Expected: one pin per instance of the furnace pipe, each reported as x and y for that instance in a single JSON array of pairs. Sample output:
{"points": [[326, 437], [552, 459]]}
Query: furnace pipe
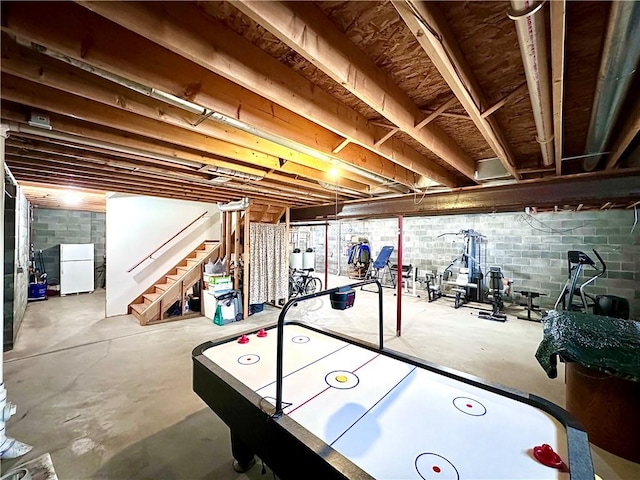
{"points": [[530, 26]]}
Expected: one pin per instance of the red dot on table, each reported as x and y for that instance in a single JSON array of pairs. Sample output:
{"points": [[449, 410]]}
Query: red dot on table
{"points": [[469, 405], [436, 469]]}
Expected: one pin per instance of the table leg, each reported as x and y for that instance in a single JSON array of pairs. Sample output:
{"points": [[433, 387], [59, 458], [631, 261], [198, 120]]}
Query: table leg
{"points": [[243, 455]]}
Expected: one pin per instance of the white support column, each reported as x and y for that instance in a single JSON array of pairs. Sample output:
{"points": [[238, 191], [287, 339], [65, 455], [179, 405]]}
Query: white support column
{"points": [[9, 447]]}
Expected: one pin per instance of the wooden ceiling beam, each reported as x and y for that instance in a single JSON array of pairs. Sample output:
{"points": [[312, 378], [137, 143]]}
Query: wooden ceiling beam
{"points": [[187, 31], [71, 32], [57, 146], [28, 65], [141, 184], [67, 181], [447, 57], [73, 150], [80, 131], [48, 99], [558, 39], [137, 172], [305, 29], [95, 132]]}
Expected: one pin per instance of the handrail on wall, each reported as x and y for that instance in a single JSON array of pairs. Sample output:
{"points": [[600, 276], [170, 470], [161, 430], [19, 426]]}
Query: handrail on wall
{"points": [[165, 243]]}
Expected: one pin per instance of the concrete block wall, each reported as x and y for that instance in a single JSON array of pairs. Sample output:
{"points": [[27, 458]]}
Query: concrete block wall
{"points": [[22, 260], [51, 227], [530, 249]]}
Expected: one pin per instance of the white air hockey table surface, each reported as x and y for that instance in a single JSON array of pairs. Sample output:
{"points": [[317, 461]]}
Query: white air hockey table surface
{"points": [[393, 417]]}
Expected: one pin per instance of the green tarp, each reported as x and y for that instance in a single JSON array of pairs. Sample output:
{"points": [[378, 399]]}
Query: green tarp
{"points": [[610, 345]]}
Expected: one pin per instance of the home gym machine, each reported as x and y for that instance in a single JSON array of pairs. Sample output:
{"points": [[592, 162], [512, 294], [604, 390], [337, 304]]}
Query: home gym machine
{"points": [[468, 284], [607, 305]]}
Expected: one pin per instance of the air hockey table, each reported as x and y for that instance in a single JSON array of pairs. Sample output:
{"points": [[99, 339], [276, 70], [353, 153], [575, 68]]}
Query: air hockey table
{"points": [[308, 401]]}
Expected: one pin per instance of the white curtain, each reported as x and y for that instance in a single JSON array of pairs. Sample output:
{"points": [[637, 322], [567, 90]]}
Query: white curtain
{"points": [[268, 275]]}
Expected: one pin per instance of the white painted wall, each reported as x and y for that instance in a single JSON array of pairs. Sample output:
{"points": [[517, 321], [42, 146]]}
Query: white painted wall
{"points": [[138, 225]]}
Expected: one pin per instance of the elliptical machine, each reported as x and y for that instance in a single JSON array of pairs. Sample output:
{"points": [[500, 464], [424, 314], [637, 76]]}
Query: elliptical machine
{"points": [[576, 262], [607, 305]]}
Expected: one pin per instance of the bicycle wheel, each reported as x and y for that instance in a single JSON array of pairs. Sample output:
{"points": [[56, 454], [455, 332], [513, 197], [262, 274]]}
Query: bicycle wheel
{"points": [[292, 288], [313, 285]]}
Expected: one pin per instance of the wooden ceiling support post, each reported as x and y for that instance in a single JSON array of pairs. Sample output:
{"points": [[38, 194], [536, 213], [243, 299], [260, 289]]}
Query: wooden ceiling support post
{"points": [[245, 260], [287, 233], [236, 250]]}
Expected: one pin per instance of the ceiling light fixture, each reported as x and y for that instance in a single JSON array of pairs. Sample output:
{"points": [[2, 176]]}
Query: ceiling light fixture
{"points": [[72, 198]]}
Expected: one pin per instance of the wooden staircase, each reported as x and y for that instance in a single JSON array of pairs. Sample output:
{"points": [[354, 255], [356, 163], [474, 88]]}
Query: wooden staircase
{"points": [[151, 307]]}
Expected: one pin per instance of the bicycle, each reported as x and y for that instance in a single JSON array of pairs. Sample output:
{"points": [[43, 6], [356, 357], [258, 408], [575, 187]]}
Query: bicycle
{"points": [[301, 282]]}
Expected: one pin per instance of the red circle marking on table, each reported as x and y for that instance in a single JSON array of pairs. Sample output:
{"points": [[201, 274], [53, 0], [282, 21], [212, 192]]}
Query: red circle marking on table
{"points": [[262, 333], [243, 339], [545, 455], [469, 405], [436, 469]]}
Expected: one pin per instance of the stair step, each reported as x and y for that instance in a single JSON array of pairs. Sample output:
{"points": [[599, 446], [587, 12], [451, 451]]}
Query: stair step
{"points": [[151, 296], [138, 307], [147, 310]]}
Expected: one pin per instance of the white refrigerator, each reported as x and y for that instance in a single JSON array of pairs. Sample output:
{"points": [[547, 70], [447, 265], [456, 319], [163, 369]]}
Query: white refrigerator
{"points": [[76, 268]]}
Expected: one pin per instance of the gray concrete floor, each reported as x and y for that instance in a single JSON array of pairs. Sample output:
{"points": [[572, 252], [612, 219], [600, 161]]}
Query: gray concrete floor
{"points": [[110, 399]]}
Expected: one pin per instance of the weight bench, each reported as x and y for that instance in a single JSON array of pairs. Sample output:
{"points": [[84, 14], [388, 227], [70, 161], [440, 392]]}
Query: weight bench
{"points": [[460, 286]]}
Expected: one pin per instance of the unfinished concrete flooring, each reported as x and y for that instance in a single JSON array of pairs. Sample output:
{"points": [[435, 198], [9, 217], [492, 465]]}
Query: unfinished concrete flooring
{"points": [[109, 399]]}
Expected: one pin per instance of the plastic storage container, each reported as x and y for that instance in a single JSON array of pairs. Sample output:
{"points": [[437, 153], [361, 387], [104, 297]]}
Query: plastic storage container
{"points": [[295, 259], [309, 259]]}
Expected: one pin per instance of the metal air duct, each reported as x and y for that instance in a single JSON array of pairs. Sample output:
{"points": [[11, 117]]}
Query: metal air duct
{"points": [[620, 56]]}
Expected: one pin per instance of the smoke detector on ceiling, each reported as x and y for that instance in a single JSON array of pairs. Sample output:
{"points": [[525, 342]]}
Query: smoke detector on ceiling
{"points": [[40, 120]]}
